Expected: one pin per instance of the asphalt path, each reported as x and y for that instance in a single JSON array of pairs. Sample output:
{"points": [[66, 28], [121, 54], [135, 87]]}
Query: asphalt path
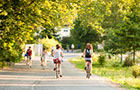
{"points": [[21, 78]]}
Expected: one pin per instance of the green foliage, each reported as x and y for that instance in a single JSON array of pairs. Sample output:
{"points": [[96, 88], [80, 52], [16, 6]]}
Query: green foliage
{"points": [[113, 43], [122, 27], [20, 19], [116, 64], [128, 62], [101, 59], [84, 35], [136, 71], [121, 75], [48, 43], [67, 41]]}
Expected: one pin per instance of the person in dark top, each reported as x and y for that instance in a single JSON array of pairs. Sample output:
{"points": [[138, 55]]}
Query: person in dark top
{"points": [[88, 53]]}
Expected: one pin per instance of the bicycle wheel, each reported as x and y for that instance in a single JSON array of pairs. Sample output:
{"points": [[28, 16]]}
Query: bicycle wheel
{"points": [[88, 72], [57, 76]]}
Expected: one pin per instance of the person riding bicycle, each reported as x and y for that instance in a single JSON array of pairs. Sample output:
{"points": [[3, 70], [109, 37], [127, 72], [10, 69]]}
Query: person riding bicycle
{"points": [[58, 55], [44, 56], [29, 54], [88, 53]]}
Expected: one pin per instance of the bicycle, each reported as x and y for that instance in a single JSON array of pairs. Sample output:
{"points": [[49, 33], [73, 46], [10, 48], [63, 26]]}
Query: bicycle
{"points": [[57, 68], [57, 71], [87, 68], [88, 71]]}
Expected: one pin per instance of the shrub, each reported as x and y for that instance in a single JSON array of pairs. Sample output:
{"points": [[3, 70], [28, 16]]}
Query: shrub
{"points": [[95, 58], [128, 62], [14, 54], [48, 43], [101, 59], [136, 71], [116, 64]]}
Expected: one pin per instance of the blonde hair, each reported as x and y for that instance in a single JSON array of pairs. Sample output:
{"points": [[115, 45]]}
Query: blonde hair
{"points": [[89, 46]]}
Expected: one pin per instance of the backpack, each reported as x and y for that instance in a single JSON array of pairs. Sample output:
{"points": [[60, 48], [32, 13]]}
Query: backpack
{"points": [[26, 54], [88, 54]]}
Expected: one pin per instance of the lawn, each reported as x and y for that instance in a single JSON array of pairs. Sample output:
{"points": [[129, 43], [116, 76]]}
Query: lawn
{"points": [[113, 71]]}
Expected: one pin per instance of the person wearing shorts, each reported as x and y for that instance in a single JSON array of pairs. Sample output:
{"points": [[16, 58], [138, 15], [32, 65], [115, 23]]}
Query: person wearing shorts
{"points": [[29, 57], [44, 56], [58, 55], [88, 53]]}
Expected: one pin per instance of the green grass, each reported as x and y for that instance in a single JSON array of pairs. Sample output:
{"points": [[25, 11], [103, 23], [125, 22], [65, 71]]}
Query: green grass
{"points": [[118, 74]]}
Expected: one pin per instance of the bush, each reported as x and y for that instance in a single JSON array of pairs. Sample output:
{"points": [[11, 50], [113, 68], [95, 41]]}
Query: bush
{"points": [[95, 58], [128, 62], [101, 59], [67, 41], [14, 54], [116, 64], [48, 43], [136, 71]]}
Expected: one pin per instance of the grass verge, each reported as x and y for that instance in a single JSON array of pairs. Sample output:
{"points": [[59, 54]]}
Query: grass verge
{"points": [[118, 74]]}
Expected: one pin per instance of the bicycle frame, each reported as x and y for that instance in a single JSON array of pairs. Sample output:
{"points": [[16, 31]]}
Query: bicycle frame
{"points": [[88, 71], [57, 71]]}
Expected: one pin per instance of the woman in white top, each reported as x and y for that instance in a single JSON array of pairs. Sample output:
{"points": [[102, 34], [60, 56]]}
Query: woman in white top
{"points": [[44, 56], [58, 54]]}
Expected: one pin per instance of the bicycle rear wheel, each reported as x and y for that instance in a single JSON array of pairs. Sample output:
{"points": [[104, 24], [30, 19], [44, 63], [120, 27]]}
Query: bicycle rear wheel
{"points": [[57, 72], [88, 72]]}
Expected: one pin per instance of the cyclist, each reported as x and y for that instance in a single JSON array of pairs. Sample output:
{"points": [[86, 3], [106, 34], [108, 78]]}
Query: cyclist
{"points": [[44, 56], [29, 54], [58, 55], [88, 53]]}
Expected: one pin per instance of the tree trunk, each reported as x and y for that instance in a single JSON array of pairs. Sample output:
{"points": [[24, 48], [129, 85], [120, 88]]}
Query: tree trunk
{"points": [[134, 54], [121, 58]]}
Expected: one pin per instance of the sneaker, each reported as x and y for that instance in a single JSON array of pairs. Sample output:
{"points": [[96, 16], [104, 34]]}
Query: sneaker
{"points": [[54, 69], [60, 75], [90, 74], [85, 68]]}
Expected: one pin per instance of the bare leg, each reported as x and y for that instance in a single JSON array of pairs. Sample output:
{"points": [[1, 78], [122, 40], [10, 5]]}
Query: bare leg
{"points": [[27, 62], [86, 64], [90, 67], [30, 62], [59, 66], [54, 67]]}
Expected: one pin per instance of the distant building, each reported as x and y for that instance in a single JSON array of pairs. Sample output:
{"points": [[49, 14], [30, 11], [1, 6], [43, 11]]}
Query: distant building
{"points": [[64, 32]]}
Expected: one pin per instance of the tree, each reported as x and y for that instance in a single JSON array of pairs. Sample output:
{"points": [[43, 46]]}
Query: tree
{"points": [[130, 29], [113, 43], [19, 20], [84, 35]]}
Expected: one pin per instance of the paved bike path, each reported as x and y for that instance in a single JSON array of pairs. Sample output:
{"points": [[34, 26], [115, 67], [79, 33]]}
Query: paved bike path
{"points": [[20, 78]]}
